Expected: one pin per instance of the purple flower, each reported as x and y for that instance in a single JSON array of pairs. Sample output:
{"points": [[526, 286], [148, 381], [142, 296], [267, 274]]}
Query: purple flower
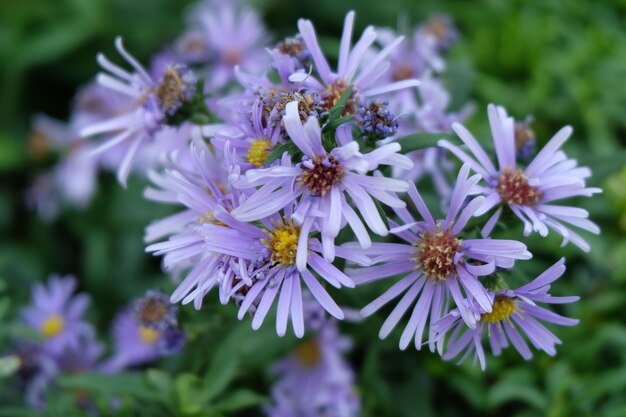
{"points": [[136, 344], [529, 192], [233, 35], [316, 380], [321, 184], [436, 264], [355, 67], [148, 106], [155, 311], [514, 312], [375, 121], [57, 315], [36, 372], [265, 267]]}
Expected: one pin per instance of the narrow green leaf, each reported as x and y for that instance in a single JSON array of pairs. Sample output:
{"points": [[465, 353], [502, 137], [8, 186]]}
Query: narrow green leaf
{"points": [[382, 213], [238, 400], [422, 140], [277, 153]]}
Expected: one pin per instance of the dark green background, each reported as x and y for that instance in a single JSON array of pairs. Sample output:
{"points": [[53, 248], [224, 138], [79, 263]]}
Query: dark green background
{"points": [[562, 61]]}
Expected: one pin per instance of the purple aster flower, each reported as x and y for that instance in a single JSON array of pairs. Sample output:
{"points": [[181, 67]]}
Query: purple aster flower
{"points": [[252, 138], [36, 372], [136, 344], [436, 264], [529, 192], [57, 315], [291, 53], [155, 311], [234, 36], [514, 312], [149, 104], [316, 380], [355, 67], [321, 184], [440, 28], [269, 263]]}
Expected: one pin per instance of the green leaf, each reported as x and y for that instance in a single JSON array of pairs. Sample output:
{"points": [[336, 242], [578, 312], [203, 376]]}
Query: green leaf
{"points": [[130, 384], [422, 140], [337, 111], [277, 153], [9, 365], [381, 212], [238, 400], [189, 394]]}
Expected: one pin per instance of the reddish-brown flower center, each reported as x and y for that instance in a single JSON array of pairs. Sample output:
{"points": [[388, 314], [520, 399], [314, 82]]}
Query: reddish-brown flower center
{"points": [[435, 254], [325, 174], [402, 72], [292, 47], [153, 311], [514, 189], [333, 93]]}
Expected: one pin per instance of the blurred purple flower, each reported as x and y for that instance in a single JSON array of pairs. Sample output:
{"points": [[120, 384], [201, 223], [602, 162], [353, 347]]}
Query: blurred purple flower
{"points": [[57, 315], [316, 381]]}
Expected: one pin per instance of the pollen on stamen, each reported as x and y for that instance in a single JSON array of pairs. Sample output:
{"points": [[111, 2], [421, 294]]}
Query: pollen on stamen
{"points": [[321, 175], [177, 86], [435, 254], [514, 189], [503, 308], [283, 243], [333, 93], [52, 326], [258, 152]]}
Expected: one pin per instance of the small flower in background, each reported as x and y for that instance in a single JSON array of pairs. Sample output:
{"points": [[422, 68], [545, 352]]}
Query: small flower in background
{"points": [[36, 371], [136, 344], [230, 34], [57, 315], [155, 311], [149, 105], [513, 311], [315, 380], [529, 192], [437, 264]]}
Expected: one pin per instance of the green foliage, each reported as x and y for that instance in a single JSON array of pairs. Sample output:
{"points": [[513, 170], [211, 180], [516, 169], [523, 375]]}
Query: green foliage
{"points": [[561, 61]]}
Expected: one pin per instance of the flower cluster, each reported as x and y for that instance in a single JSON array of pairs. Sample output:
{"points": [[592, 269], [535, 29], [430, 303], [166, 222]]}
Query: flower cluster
{"points": [[65, 342], [297, 180]]}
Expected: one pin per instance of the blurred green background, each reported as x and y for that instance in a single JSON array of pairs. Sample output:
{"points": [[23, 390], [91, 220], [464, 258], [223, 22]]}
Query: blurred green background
{"points": [[562, 61]]}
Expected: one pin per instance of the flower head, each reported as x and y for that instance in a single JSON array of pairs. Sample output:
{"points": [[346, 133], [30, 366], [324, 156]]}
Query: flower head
{"points": [[57, 315], [149, 104], [513, 313], [530, 192], [155, 311], [322, 183], [436, 264]]}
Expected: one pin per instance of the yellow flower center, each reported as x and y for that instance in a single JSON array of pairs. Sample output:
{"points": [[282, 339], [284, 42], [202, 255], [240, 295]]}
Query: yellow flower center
{"points": [[148, 335], [258, 152], [308, 353], [283, 244], [502, 309], [52, 326]]}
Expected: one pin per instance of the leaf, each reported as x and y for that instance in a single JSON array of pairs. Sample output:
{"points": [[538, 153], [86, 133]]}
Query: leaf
{"points": [[337, 111], [418, 141], [130, 384], [9, 365], [238, 400], [189, 394], [381, 212], [277, 153], [515, 390]]}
